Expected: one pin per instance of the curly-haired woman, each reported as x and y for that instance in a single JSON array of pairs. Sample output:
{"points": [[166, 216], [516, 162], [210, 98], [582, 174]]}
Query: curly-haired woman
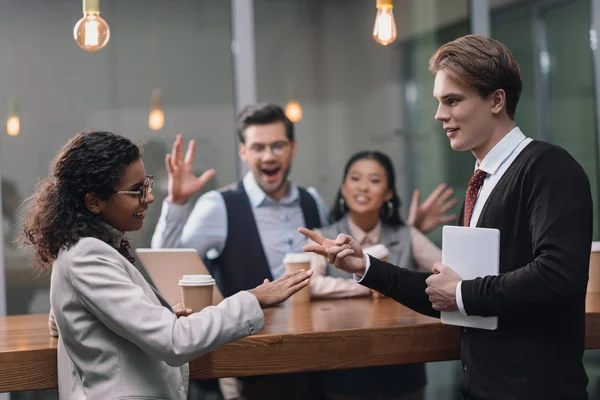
{"points": [[118, 337]]}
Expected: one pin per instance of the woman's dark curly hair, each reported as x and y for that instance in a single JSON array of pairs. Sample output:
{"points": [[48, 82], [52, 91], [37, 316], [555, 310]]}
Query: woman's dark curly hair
{"points": [[55, 216], [388, 216]]}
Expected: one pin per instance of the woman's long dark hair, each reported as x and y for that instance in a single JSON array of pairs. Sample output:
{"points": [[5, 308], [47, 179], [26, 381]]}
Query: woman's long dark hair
{"points": [[387, 215], [56, 216]]}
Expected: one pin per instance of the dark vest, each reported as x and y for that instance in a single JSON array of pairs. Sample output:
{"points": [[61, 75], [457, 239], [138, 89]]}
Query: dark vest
{"points": [[243, 265]]}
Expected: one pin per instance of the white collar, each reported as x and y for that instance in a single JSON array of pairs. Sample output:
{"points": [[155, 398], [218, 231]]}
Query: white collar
{"points": [[501, 151]]}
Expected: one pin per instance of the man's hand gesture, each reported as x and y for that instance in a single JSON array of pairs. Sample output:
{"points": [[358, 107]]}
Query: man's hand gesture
{"points": [[343, 252], [183, 184]]}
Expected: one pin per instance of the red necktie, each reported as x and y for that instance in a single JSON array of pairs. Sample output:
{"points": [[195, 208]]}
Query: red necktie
{"points": [[474, 185]]}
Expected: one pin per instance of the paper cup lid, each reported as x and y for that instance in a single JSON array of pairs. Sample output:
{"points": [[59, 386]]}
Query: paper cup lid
{"points": [[595, 246], [293, 258], [377, 251], [197, 280]]}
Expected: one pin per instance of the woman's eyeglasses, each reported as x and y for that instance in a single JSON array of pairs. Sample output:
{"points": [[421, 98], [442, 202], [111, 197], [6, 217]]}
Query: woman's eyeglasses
{"points": [[143, 191]]}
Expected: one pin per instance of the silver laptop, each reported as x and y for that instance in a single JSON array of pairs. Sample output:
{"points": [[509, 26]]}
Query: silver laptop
{"points": [[472, 253]]}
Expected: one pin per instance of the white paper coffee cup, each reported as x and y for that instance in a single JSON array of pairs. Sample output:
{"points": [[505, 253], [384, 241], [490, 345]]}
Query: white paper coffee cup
{"points": [[294, 262], [296, 258], [379, 251], [197, 291], [196, 280]]}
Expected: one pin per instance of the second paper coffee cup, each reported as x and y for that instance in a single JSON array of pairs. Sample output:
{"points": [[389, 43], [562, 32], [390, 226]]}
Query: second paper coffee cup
{"points": [[294, 262]]}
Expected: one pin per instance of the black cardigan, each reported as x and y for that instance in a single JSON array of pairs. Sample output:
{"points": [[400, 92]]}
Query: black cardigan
{"points": [[542, 206]]}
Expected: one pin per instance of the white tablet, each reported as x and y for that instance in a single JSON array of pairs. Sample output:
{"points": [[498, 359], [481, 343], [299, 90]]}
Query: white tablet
{"points": [[167, 266], [472, 253]]}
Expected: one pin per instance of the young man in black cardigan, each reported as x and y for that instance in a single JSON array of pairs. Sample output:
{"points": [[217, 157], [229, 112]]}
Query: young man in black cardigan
{"points": [[539, 198]]}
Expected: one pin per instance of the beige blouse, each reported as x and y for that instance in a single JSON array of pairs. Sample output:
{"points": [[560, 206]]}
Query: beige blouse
{"points": [[425, 254]]}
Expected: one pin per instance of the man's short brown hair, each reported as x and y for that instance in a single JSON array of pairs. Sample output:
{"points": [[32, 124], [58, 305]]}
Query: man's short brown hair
{"points": [[482, 63]]}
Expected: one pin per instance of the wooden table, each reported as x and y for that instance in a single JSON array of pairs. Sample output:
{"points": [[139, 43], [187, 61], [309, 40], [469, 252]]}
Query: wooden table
{"points": [[321, 335]]}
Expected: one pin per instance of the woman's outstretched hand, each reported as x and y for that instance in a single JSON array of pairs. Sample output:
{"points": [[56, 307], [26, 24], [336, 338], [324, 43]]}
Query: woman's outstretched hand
{"points": [[272, 293]]}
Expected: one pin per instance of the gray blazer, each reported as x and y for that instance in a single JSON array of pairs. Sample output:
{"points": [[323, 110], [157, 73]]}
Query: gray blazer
{"points": [[397, 240], [119, 339]]}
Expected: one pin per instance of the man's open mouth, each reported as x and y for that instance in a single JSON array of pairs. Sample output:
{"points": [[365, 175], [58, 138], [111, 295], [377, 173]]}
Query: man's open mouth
{"points": [[270, 171]]}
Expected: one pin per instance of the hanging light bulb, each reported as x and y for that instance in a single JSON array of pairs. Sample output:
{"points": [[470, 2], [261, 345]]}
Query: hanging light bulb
{"points": [[91, 32], [156, 119], [13, 123], [293, 111], [384, 31]]}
